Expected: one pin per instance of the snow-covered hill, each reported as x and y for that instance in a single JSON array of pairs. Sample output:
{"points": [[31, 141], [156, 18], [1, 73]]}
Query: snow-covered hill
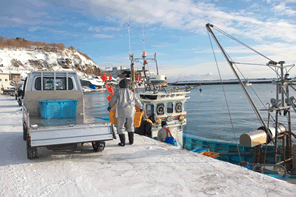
{"points": [[23, 60]]}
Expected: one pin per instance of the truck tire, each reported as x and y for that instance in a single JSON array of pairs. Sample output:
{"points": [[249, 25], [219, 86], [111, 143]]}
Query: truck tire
{"points": [[24, 132], [98, 146], [31, 151]]}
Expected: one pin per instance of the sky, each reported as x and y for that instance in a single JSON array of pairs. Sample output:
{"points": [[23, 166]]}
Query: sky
{"points": [[173, 29]]}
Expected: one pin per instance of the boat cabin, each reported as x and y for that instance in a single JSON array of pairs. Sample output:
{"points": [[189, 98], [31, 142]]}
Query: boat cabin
{"points": [[169, 107]]}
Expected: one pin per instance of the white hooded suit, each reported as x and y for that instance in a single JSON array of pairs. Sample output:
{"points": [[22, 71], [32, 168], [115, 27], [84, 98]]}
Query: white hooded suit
{"points": [[125, 101]]}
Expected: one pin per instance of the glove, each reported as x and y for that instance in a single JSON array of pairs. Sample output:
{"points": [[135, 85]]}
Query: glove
{"points": [[109, 108], [141, 110]]}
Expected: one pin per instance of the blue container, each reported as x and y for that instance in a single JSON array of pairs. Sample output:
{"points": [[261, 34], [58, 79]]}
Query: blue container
{"points": [[58, 108], [92, 86]]}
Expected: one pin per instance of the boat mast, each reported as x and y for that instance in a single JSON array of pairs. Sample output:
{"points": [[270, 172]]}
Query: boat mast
{"points": [[133, 76], [208, 26], [131, 57], [156, 63], [282, 92]]}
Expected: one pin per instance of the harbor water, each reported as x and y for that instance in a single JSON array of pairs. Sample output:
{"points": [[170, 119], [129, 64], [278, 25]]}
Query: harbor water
{"points": [[207, 112]]}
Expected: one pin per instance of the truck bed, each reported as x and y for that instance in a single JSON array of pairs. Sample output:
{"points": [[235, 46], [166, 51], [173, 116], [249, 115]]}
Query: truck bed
{"points": [[63, 121], [51, 135], [44, 132]]}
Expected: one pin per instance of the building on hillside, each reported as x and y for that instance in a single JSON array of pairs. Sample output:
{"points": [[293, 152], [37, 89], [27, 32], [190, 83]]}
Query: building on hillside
{"points": [[64, 61], [4, 82], [115, 71], [16, 77], [121, 72]]}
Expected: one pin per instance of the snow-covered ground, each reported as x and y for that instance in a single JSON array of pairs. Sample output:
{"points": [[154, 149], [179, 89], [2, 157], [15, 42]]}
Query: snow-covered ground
{"points": [[147, 168], [26, 58]]}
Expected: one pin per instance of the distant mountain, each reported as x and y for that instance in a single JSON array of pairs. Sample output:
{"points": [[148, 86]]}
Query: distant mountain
{"points": [[36, 56]]}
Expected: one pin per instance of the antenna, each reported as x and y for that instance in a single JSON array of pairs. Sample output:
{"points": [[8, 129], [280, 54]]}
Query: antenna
{"points": [[129, 41], [143, 39]]}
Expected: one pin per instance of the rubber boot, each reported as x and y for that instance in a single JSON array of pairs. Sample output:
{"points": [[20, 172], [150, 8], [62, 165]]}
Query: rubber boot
{"points": [[131, 137], [122, 140]]}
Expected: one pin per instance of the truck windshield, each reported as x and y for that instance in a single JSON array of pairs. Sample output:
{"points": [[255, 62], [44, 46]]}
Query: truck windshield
{"points": [[48, 83]]}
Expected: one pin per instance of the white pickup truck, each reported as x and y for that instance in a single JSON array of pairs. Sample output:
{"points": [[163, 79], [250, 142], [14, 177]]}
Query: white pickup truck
{"points": [[46, 127]]}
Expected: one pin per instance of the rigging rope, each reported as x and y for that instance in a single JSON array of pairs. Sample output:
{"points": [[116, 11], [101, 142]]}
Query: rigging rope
{"points": [[251, 88], [148, 69], [129, 39], [233, 38], [249, 63], [246, 90], [258, 65], [225, 98]]}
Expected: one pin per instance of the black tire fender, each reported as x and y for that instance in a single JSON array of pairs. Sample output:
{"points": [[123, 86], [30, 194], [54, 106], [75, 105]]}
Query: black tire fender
{"points": [[31, 151], [24, 131], [98, 146]]}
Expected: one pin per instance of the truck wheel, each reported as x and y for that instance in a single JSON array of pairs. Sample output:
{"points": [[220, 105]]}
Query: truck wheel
{"points": [[98, 146], [24, 132], [31, 151]]}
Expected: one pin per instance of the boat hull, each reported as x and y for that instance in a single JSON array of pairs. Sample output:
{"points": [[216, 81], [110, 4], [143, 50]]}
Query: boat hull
{"points": [[228, 151]]}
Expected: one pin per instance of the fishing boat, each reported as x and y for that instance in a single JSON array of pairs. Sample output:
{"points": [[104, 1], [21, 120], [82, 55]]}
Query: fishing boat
{"points": [[96, 84], [86, 89], [269, 148], [247, 83], [159, 101]]}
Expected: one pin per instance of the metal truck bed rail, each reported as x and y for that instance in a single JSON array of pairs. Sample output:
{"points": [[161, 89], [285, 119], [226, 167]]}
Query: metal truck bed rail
{"points": [[70, 134]]}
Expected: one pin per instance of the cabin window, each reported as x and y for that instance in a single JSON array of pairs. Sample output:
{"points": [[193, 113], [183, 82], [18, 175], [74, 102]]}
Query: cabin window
{"points": [[179, 107], [160, 109], [170, 107], [149, 109], [48, 83]]}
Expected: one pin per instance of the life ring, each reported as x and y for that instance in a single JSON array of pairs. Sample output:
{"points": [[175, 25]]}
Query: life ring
{"points": [[178, 107], [160, 109]]}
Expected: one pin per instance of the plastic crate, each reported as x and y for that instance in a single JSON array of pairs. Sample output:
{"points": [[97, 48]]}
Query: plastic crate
{"points": [[58, 108], [138, 119], [210, 154]]}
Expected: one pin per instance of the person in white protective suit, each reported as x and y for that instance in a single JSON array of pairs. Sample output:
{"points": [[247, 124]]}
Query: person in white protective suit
{"points": [[162, 133], [125, 101]]}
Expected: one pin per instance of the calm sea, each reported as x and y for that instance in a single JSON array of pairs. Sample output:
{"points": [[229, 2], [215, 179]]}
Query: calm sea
{"points": [[207, 113]]}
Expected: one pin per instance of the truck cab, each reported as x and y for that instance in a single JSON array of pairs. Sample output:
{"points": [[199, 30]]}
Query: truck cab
{"points": [[53, 113]]}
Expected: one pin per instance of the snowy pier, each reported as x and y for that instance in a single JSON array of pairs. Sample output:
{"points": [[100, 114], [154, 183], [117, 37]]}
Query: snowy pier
{"points": [[147, 168]]}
